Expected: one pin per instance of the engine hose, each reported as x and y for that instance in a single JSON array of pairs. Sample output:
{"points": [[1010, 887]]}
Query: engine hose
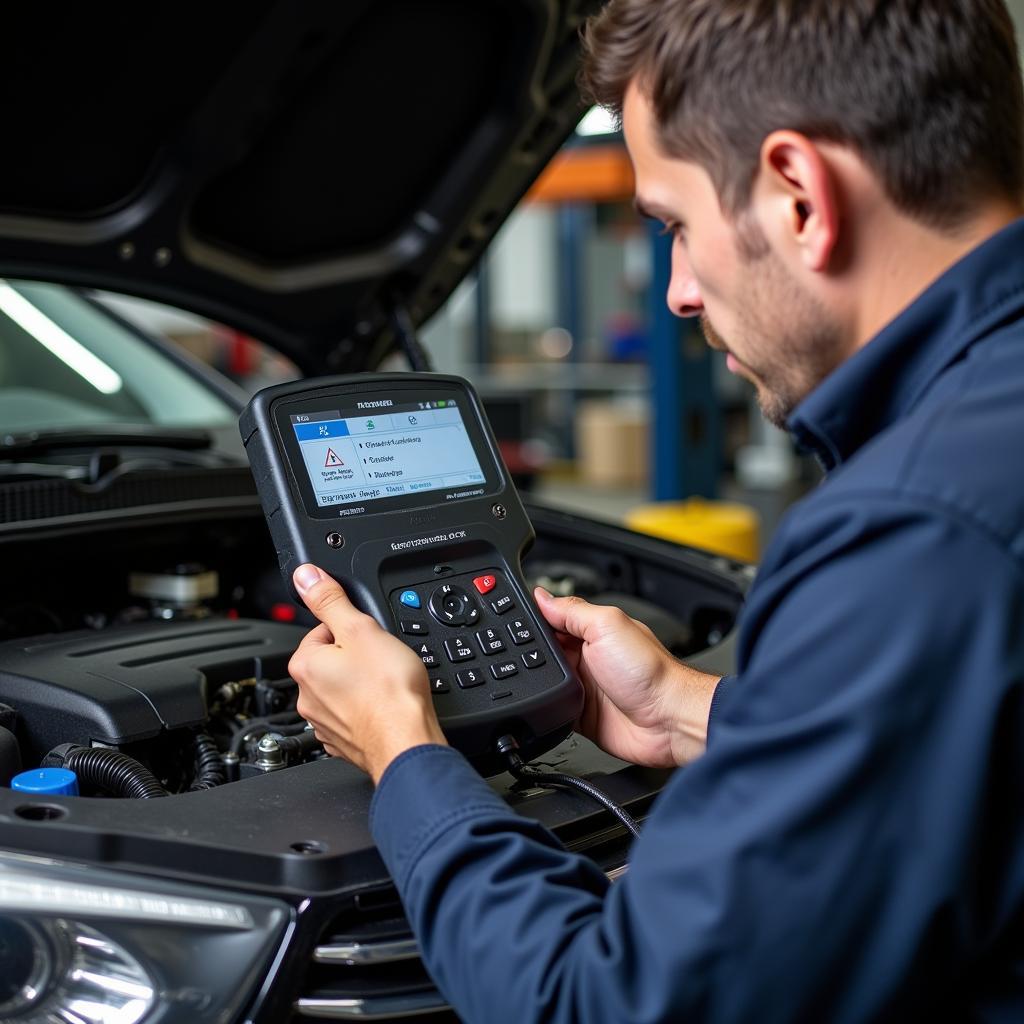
{"points": [[305, 743], [209, 767], [283, 723], [110, 770]]}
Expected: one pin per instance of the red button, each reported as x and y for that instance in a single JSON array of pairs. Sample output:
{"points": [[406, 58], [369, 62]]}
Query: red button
{"points": [[484, 584]]}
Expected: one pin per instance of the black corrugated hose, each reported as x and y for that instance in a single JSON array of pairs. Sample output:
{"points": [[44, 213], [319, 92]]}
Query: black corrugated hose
{"points": [[209, 767], [110, 770]]}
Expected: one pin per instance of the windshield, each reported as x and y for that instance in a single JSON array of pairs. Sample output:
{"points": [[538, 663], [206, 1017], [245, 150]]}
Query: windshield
{"points": [[66, 364]]}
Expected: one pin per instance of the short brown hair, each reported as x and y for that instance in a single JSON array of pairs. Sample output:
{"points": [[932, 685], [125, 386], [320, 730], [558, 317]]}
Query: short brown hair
{"points": [[928, 92]]}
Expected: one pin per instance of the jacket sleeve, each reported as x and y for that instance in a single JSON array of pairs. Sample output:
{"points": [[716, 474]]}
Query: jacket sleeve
{"points": [[800, 867]]}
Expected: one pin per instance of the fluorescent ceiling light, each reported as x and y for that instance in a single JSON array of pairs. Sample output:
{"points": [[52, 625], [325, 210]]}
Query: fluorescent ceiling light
{"points": [[597, 121], [57, 341]]}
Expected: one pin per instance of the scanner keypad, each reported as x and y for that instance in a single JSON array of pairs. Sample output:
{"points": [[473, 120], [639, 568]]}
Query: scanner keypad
{"points": [[467, 619]]}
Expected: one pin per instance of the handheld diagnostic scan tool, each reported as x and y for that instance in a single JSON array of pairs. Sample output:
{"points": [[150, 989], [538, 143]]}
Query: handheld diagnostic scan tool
{"points": [[393, 484]]}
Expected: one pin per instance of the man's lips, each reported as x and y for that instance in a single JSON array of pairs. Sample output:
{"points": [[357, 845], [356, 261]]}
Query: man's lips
{"points": [[716, 342]]}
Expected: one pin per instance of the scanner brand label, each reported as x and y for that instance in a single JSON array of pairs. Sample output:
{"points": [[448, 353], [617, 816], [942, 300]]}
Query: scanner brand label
{"points": [[421, 542]]}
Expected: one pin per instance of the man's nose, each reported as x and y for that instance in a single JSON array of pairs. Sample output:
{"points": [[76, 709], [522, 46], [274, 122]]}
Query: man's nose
{"points": [[683, 293]]}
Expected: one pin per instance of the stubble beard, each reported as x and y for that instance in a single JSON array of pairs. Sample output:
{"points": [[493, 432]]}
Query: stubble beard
{"points": [[790, 341]]}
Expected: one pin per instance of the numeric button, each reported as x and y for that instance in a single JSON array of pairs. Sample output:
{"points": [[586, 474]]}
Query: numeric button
{"points": [[490, 641], [519, 630], [470, 677], [438, 684], [504, 669], [503, 604], [458, 649], [427, 656]]}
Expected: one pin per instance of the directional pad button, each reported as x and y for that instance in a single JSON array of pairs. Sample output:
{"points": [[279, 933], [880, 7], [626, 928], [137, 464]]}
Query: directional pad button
{"points": [[452, 606]]}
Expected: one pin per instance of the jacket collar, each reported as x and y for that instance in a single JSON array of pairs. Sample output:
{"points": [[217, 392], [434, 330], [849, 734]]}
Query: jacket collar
{"points": [[884, 380]]}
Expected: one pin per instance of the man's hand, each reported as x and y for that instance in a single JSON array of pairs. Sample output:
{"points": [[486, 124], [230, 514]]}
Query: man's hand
{"points": [[364, 692], [641, 703]]}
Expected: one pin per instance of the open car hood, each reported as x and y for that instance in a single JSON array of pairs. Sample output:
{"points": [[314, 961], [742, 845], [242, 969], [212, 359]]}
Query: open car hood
{"points": [[298, 170]]}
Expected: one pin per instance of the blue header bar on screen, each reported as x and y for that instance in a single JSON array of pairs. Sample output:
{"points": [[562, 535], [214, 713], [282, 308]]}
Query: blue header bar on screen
{"points": [[313, 431]]}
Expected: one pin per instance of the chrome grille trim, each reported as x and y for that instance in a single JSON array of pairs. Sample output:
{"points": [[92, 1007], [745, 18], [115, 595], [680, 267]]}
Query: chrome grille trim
{"points": [[360, 953], [380, 1008], [367, 954]]}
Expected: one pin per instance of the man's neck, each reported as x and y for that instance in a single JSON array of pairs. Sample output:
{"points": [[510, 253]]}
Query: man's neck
{"points": [[905, 257]]}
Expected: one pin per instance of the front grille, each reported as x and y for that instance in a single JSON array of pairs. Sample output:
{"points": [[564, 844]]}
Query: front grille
{"points": [[367, 967]]}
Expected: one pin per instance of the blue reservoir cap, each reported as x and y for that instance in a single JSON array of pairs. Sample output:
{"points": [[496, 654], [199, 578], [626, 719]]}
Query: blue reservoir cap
{"points": [[47, 782]]}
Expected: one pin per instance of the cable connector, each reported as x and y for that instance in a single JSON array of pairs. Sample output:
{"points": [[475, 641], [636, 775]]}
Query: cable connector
{"points": [[508, 747]]}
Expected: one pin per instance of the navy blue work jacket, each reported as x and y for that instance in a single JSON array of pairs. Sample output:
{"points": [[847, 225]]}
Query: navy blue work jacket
{"points": [[850, 847]]}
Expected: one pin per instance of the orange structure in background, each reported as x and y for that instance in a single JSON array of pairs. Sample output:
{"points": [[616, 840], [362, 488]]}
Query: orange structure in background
{"points": [[596, 174]]}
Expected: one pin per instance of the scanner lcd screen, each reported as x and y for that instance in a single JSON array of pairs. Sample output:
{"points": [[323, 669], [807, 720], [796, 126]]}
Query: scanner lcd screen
{"points": [[401, 451]]}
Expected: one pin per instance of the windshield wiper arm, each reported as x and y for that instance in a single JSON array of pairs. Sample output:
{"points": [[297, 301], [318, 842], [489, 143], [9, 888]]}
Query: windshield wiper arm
{"points": [[36, 441]]}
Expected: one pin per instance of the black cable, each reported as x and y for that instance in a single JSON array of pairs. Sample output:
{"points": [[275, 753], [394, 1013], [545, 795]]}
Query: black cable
{"points": [[283, 722], [111, 770], [301, 745], [209, 768], [507, 746]]}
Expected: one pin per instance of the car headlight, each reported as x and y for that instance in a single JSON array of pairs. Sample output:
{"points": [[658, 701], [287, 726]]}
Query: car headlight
{"points": [[92, 947]]}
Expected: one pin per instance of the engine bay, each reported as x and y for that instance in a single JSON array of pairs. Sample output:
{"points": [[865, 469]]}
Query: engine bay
{"points": [[154, 662], [193, 703]]}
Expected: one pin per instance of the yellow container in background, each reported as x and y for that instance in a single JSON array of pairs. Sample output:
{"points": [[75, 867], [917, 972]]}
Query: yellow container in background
{"points": [[718, 526]]}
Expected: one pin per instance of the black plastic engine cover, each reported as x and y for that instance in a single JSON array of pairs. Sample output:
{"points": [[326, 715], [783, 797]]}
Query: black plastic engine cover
{"points": [[133, 682]]}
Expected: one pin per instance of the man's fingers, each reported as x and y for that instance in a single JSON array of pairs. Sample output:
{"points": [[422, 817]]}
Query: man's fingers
{"points": [[324, 598]]}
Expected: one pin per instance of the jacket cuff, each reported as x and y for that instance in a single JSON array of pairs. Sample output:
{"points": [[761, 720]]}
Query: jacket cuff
{"points": [[725, 685], [422, 793]]}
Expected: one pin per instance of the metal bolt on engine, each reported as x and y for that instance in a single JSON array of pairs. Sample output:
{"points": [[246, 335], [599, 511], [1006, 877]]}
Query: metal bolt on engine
{"points": [[269, 757]]}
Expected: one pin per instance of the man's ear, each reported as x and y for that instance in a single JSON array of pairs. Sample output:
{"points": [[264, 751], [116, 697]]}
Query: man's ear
{"points": [[797, 191]]}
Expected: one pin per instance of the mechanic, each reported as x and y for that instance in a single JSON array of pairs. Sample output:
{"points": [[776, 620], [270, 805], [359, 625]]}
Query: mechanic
{"points": [[843, 182]]}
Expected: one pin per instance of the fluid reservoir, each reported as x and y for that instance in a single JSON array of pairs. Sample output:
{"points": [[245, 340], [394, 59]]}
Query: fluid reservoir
{"points": [[46, 782]]}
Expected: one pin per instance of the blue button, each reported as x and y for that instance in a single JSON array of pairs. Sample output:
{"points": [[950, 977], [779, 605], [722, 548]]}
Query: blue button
{"points": [[47, 782], [410, 599]]}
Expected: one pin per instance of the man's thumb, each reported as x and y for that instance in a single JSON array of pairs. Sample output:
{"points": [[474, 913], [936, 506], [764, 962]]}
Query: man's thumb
{"points": [[322, 595], [563, 613]]}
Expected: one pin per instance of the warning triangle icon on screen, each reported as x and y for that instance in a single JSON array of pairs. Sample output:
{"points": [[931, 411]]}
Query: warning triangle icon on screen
{"points": [[332, 459]]}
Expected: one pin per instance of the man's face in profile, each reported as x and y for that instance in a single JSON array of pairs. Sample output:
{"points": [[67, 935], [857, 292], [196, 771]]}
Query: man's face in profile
{"points": [[777, 335]]}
